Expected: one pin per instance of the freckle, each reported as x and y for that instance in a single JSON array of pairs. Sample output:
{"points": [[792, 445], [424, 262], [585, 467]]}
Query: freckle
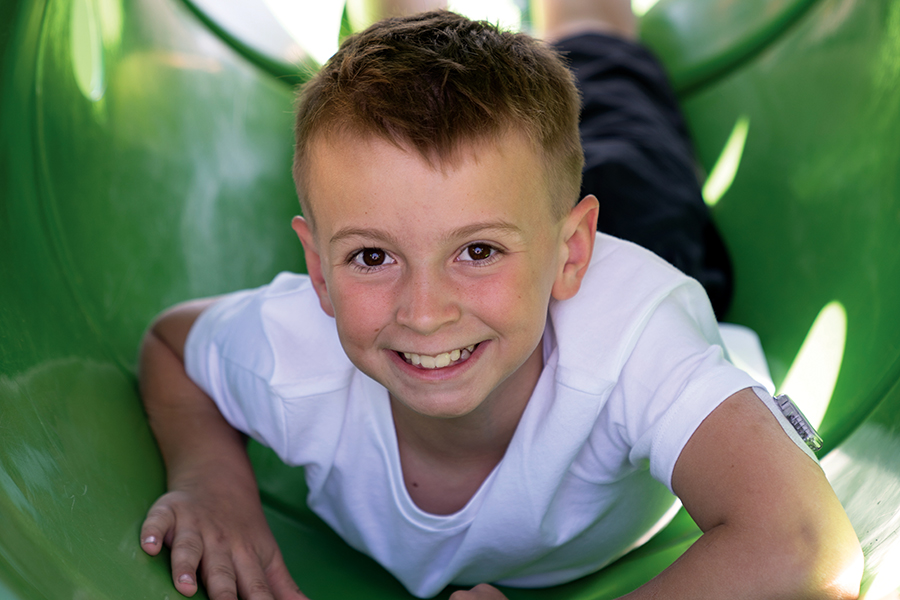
{"points": [[415, 484]]}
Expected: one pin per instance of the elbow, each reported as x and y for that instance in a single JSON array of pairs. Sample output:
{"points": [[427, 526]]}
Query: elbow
{"points": [[171, 327], [841, 558], [842, 578], [830, 569]]}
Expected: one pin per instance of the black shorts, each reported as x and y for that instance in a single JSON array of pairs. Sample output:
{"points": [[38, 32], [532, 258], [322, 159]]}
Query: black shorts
{"points": [[639, 160]]}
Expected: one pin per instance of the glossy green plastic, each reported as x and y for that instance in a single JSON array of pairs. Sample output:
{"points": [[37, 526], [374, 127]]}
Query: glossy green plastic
{"points": [[257, 35], [145, 159], [700, 40]]}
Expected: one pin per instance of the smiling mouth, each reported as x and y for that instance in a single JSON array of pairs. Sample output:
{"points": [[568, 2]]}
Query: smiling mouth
{"points": [[445, 359]]}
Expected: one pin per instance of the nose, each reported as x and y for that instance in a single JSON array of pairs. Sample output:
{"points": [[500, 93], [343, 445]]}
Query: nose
{"points": [[427, 301]]}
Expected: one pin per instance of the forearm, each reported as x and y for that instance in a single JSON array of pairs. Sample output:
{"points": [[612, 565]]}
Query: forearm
{"points": [[193, 437], [211, 517], [730, 563]]}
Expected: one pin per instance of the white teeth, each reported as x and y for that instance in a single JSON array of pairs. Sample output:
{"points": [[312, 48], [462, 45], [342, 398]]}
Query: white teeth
{"points": [[441, 360]]}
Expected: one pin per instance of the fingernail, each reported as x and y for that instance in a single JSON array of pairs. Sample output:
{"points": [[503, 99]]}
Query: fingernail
{"points": [[186, 579], [150, 539]]}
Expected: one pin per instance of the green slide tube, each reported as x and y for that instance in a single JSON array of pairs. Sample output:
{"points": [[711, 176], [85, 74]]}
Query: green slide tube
{"points": [[145, 155]]}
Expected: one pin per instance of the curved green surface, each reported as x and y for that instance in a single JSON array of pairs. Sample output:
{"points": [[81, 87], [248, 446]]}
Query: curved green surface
{"points": [[701, 40], [258, 36], [145, 160]]}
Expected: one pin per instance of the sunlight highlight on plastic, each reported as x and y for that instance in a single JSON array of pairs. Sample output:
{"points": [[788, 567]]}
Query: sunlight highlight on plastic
{"points": [[504, 13], [865, 474], [87, 49], [724, 171], [885, 585], [811, 379], [110, 15], [313, 24], [640, 7]]}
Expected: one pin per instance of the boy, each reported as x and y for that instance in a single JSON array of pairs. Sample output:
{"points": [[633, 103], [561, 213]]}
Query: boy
{"points": [[479, 387]]}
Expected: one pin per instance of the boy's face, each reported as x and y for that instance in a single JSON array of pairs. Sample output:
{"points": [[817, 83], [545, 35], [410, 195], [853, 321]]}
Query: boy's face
{"points": [[439, 281]]}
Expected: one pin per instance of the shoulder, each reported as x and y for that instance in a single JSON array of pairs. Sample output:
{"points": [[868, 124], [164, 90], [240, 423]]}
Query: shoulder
{"points": [[278, 332], [624, 287], [621, 269]]}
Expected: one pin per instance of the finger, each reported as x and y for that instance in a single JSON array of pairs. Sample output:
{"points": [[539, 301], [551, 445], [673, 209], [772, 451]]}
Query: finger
{"points": [[187, 550], [280, 581], [220, 576], [251, 579], [482, 591], [488, 592], [159, 522]]}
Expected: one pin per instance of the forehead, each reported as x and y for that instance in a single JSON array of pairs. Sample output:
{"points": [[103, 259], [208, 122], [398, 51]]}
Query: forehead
{"points": [[349, 173]]}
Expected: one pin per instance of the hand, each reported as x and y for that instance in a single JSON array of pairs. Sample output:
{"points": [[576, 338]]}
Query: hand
{"points": [[227, 536], [482, 591]]}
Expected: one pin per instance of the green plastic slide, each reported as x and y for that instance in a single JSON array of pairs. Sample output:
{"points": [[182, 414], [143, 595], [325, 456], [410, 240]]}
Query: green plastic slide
{"points": [[145, 159]]}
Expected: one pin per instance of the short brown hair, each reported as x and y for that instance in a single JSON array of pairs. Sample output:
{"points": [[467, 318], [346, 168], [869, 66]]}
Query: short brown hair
{"points": [[436, 80]]}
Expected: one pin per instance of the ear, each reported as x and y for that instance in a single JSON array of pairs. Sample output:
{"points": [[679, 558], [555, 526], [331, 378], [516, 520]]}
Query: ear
{"points": [[578, 232], [313, 262]]}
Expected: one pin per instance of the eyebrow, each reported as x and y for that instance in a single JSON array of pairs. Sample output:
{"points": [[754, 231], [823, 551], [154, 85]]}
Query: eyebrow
{"points": [[498, 226], [461, 232], [373, 234]]}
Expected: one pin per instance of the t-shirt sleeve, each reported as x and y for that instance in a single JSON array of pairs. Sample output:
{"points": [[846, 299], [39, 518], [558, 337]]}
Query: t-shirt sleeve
{"points": [[228, 356], [676, 375]]}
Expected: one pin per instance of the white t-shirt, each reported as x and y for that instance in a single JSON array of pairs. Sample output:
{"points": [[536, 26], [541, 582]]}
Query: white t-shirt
{"points": [[632, 365]]}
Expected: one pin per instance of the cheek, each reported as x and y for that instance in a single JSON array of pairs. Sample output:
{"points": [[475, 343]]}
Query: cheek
{"points": [[361, 312], [514, 301]]}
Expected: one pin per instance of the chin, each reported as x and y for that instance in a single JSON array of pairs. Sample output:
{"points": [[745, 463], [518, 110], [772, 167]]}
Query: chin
{"points": [[439, 409]]}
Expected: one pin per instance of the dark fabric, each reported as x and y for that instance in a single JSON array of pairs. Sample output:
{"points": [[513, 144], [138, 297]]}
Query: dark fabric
{"points": [[639, 160]]}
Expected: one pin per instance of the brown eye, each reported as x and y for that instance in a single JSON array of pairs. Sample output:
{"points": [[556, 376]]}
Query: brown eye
{"points": [[478, 252], [372, 257]]}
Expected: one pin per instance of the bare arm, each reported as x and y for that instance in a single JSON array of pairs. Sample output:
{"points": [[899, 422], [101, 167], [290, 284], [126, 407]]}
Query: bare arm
{"points": [[212, 510], [773, 527]]}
